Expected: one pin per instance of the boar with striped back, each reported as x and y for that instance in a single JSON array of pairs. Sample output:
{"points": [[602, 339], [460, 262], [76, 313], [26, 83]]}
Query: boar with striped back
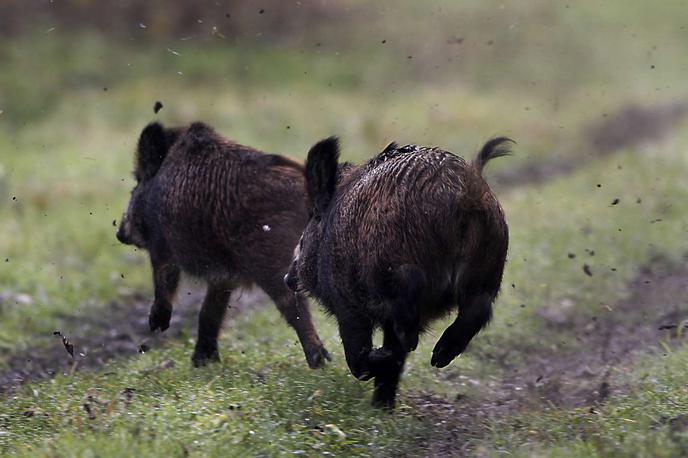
{"points": [[225, 213], [407, 238]]}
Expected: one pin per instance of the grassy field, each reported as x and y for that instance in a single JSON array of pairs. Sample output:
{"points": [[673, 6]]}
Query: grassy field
{"points": [[72, 106]]}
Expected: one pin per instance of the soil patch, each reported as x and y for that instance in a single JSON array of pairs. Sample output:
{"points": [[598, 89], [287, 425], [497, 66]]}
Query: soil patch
{"points": [[606, 345], [119, 329], [632, 125], [611, 342]]}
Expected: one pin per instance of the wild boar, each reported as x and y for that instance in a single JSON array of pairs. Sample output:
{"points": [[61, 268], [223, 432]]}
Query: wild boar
{"points": [[225, 213], [410, 236]]}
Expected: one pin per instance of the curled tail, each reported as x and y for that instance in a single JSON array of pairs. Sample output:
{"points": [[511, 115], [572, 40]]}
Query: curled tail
{"points": [[497, 147]]}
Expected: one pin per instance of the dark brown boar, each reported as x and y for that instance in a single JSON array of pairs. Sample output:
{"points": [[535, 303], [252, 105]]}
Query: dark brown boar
{"points": [[223, 212], [410, 236]]}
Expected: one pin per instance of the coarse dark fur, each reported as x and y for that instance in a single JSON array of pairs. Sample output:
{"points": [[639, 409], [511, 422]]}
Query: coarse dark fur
{"points": [[396, 243], [223, 212]]}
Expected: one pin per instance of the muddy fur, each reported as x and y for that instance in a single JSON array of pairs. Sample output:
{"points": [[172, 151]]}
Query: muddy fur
{"points": [[410, 236], [223, 212]]}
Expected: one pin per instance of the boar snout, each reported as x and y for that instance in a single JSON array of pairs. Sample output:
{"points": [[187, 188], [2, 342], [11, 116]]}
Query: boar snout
{"points": [[122, 234]]}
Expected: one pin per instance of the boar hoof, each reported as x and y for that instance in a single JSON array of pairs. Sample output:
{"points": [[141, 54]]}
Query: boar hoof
{"points": [[382, 399], [441, 356], [203, 358], [316, 359], [159, 318], [362, 373], [363, 376]]}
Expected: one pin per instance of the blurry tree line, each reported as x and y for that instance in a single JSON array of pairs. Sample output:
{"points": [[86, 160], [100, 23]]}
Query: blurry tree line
{"points": [[162, 20]]}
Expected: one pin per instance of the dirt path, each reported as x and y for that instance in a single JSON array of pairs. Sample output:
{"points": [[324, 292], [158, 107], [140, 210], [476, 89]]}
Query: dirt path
{"points": [[632, 125], [119, 329], [580, 377]]}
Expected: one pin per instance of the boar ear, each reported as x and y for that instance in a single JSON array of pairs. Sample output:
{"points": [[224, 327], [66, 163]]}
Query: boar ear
{"points": [[321, 172], [151, 150]]}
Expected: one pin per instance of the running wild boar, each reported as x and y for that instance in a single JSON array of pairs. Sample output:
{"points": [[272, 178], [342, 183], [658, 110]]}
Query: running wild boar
{"points": [[223, 212], [409, 237]]}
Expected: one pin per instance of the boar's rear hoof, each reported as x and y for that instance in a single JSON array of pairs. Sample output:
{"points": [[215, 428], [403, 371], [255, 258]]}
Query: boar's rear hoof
{"points": [[159, 318], [316, 359], [201, 358], [383, 403], [362, 373], [442, 356], [382, 399]]}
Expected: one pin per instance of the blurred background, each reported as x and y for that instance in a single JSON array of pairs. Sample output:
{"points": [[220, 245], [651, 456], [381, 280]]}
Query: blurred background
{"points": [[80, 78], [594, 92]]}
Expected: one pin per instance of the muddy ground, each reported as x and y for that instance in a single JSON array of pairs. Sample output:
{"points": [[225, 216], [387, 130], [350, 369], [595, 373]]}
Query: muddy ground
{"points": [[606, 346], [119, 330]]}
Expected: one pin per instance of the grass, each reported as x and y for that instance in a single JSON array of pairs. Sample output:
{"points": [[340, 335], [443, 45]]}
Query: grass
{"points": [[552, 69], [261, 400], [648, 421]]}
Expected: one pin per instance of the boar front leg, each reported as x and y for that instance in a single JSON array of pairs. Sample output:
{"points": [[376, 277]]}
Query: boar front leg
{"points": [[209, 323], [165, 280], [294, 309]]}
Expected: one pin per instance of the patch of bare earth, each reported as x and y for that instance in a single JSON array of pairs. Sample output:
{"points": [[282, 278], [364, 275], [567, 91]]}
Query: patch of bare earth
{"points": [[119, 329], [568, 376], [632, 125]]}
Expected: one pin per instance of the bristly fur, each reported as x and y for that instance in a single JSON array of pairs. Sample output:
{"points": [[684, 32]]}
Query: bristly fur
{"points": [[411, 235], [494, 148], [199, 137], [223, 212]]}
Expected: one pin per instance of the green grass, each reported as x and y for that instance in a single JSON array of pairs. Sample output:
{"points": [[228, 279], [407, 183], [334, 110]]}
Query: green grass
{"points": [[66, 149], [261, 400]]}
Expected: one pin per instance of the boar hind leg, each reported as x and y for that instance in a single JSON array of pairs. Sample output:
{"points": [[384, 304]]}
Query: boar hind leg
{"points": [[209, 323], [295, 311], [404, 288], [474, 314], [166, 280], [387, 363]]}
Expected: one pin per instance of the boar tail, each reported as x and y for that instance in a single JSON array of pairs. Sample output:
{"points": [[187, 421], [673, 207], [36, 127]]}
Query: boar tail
{"points": [[497, 147]]}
